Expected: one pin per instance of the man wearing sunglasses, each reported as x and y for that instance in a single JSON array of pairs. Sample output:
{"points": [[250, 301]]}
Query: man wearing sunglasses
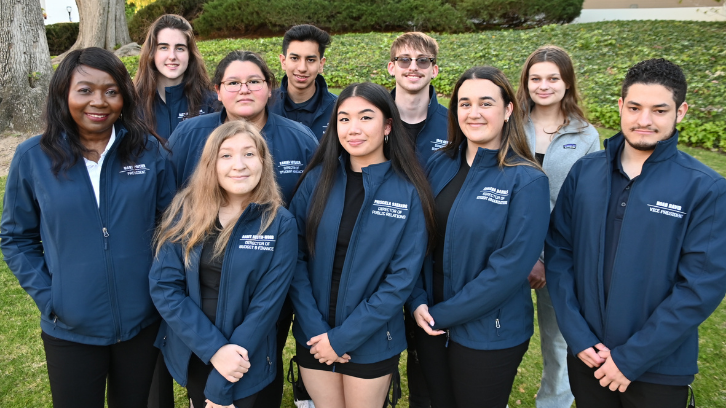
{"points": [[303, 94], [413, 63]]}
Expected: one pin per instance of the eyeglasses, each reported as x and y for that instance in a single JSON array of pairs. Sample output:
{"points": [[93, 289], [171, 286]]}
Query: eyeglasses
{"points": [[236, 86], [421, 62]]}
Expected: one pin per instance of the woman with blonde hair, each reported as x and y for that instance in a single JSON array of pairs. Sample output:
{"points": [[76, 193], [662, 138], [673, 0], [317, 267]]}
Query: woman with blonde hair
{"points": [[172, 80], [226, 251]]}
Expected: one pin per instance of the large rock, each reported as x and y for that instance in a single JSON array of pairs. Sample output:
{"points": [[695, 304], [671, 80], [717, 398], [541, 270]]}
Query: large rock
{"points": [[128, 50]]}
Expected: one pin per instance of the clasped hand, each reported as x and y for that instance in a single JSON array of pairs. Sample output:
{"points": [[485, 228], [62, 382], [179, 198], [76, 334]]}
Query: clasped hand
{"points": [[321, 349], [609, 374], [231, 361]]}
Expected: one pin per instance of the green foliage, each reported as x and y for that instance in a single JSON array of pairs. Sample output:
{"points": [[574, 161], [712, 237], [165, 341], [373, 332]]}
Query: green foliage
{"points": [[223, 18], [61, 37], [517, 13], [130, 10], [143, 18]]}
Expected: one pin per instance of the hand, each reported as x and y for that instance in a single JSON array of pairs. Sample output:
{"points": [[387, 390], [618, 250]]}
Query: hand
{"points": [[345, 358], [425, 321], [536, 278], [321, 349], [231, 361], [591, 357], [210, 404], [610, 376]]}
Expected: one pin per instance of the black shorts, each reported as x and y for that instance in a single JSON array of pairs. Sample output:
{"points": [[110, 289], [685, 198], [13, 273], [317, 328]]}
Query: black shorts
{"points": [[364, 371]]}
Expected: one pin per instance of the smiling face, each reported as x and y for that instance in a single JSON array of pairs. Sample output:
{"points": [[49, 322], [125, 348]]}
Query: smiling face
{"points": [[171, 56], [545, 84], [481, 112], [243, 104], [239, 167], [649, 114], [302, 64], [361, 128], [412, 79], [94, 102]]}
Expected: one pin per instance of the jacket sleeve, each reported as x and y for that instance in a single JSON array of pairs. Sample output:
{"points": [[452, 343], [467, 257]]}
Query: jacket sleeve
{"points": [[509, 265], [168, 288], [178, 145], [418, 295], [166, 186], [20, 235], [559, 264], [263, 311], [699, 289], [387, 301], [301, 291]]}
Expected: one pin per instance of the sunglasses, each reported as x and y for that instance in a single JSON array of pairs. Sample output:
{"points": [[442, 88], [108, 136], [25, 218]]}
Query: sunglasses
{"points": [[421, 62]]}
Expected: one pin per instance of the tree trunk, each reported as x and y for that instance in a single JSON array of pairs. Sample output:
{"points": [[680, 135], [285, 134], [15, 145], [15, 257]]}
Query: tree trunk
{"points": [[25, 69], [102, 24]]}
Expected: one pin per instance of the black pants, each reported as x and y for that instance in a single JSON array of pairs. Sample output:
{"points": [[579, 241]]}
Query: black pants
{"points": [[161, 394], [462, 377], [78, 373], [418, 394], [198, 373], [271, 396], [589, 393]]}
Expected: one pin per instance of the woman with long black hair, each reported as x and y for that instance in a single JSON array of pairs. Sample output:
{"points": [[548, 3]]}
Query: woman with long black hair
{"points": [[81, 203], [473, 304], [365, 219]]}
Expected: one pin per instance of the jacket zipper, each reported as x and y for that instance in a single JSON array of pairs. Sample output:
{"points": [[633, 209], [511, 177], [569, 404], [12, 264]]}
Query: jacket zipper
{"points": [[448, 335], [224, 281], [496, 321]]}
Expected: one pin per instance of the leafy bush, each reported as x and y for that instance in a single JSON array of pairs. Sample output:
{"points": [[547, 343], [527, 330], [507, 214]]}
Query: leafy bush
{"points": [[140, 22], [61, 37], [517, 13], [602, 52]]}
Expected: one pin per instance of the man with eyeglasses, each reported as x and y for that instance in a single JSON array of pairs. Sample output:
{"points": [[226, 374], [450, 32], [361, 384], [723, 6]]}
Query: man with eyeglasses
{"points": [[303, 94], [413, 64]]}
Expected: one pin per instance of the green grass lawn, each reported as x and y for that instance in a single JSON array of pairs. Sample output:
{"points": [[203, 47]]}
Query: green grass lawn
{"points": [[24, 379]]}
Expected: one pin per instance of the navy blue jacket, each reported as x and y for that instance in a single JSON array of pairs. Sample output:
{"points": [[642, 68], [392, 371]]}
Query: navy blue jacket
{"points": [[494, 235], [433, 135], [384, 259], [86, 267], [256, 273], [176, 108], [292, 146], [317, 120], [669, 272]]}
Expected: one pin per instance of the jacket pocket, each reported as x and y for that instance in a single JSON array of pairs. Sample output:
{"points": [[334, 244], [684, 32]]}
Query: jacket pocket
{"points": [[389, 338]]}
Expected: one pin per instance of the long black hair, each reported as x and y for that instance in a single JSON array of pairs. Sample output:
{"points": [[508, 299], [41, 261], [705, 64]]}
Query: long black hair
{"points": [[58, 119], [399, 150]]}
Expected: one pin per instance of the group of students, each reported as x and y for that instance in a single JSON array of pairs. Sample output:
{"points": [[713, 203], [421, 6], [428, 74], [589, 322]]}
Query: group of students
{"points": [[381, 220]]}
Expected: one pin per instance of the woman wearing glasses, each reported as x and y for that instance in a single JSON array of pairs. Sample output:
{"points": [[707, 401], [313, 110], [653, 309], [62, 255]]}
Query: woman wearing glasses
{"points": [[244, 84], [473, 304], [172, 81]]}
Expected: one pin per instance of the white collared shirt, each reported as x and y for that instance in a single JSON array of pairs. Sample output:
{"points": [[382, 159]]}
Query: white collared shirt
{"points": [[94, 169]]}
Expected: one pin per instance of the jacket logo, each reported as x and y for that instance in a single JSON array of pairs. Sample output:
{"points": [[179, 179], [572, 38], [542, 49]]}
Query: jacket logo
{"points": [[258, 242], [290, 167], [389, 209], [570, 146], [438, 144], [664, 208], [134, 170], [494, 195]]}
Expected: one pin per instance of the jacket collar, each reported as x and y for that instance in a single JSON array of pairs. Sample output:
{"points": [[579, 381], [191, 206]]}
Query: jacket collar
{"points": [[321, 88], [484, 157], [270, 124], [376, 173], [664, 150]]}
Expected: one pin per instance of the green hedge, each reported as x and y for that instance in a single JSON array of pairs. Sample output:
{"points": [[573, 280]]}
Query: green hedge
{"points": [[602, 52], [143, 18], [61, 37], [518, 13]]}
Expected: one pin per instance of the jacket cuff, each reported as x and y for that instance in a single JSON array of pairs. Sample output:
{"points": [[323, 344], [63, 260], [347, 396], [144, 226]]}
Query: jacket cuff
{"points": [[218, 389]]}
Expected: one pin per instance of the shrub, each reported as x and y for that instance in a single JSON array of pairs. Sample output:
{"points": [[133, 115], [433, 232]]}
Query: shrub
{"points": [[61, 37], [517, 13], [140, 22]]}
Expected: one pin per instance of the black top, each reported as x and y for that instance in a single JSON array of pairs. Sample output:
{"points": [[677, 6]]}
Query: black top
{"points": [[443, 203], [539, 157], [300, 111], [354, 195], [210, 273], [620, 188], [413, 129]]}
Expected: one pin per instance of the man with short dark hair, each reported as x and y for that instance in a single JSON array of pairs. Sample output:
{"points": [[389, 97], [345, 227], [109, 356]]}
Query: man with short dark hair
{"points": [[413, 64], [635, 253], [303, 94]]}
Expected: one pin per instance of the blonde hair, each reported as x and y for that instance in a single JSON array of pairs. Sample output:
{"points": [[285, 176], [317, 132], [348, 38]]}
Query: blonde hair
{"points": [[194, 210]]}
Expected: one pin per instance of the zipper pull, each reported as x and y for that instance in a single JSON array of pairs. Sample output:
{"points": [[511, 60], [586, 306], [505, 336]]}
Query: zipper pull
{"points": [[496, 324], [447, 338], [105, 235], [105, 232], [388, 334], [268, 361]]}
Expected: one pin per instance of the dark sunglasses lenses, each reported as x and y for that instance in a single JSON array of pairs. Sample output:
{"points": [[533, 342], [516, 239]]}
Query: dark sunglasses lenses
{"points": [[422, 62]]}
